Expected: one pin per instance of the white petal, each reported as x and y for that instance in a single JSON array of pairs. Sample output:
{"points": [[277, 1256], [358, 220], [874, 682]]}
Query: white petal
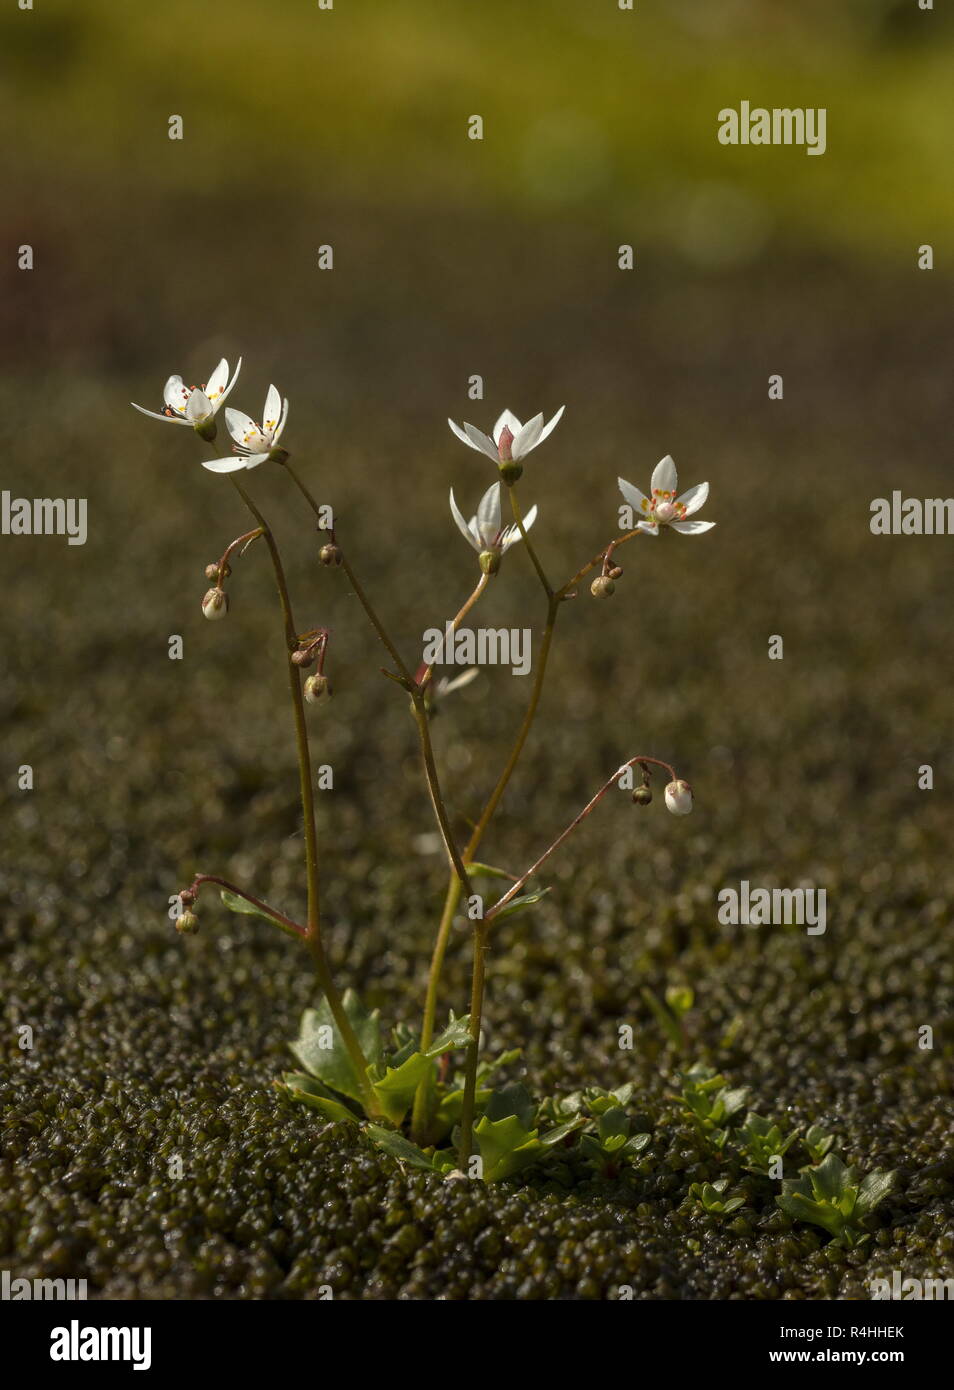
{"points": [[272, 412], [482, 442], [155, 415], [224, 465], [691, 528], [694, 498], [461, 435], [221, 400], [651, 528], [176, 393], [635, 498], [253, 460], [528, 438], [551, 425], [488, 515], [216, 382], [199, 407], [506, 417], [282, 422], [664, 477], [460, 681], [461, 523], [513, 533], [238, 424]]}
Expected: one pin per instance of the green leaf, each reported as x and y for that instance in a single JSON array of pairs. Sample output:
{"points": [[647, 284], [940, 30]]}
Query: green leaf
{"points": [[830, 1178], [560, 1132], [456, 1034], [637, 1142], [512, 1099], [802, 1208], [236, 904], [489, 871], [310, 1092], [519, 904], [396, 1089], [613, 1128], [486, 1069], [817, 1142], [398, 1147], [505, 1146], [874, 1188], [322, 1052]]}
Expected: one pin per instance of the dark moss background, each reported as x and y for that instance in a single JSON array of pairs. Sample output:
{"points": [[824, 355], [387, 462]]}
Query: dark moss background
{"points": [[450, 260]]}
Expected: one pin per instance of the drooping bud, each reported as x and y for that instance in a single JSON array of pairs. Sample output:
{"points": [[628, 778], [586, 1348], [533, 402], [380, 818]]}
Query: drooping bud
{"points": [[602, 586], [679, 798], [317, 688], [614, 572], [329, 554], [303, 657], [642, 795], [187, 897], [187, 924], [212, 572], [215, 605], [490, 561]]}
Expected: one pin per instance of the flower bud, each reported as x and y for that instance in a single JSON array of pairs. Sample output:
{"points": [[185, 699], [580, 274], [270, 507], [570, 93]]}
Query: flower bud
{"points": [[317, 688], [212, 572], [602, 587], [642, 796], [187, 897], [329, 554], [615, 572], [490, 561], [303, 657], [679, 798], [187, 924], [215, 605]]}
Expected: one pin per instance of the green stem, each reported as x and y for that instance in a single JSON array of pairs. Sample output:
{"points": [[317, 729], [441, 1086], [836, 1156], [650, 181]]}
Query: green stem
{"points": [[313, 938], [518, 518], [469, 1103]]}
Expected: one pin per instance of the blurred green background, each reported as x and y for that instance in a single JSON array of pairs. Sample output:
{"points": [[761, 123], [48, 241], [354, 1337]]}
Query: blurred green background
{"points": [[348, 127]]}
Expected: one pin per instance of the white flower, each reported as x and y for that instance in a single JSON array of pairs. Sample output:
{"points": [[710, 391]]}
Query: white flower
{"points": [[253, 443], [511, 440], [664, 508], [194, 405], [679, 798], [484, 531]]}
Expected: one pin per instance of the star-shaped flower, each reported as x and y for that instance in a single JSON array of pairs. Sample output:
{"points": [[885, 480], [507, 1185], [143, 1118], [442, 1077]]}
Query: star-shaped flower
{"points": [[664, 508], [511, 440], [195, 405], [254, 443], [484, 531]]}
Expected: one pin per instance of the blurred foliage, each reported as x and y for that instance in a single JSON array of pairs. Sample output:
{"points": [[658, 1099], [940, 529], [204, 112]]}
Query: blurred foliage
{"points": [[609, 113]]}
